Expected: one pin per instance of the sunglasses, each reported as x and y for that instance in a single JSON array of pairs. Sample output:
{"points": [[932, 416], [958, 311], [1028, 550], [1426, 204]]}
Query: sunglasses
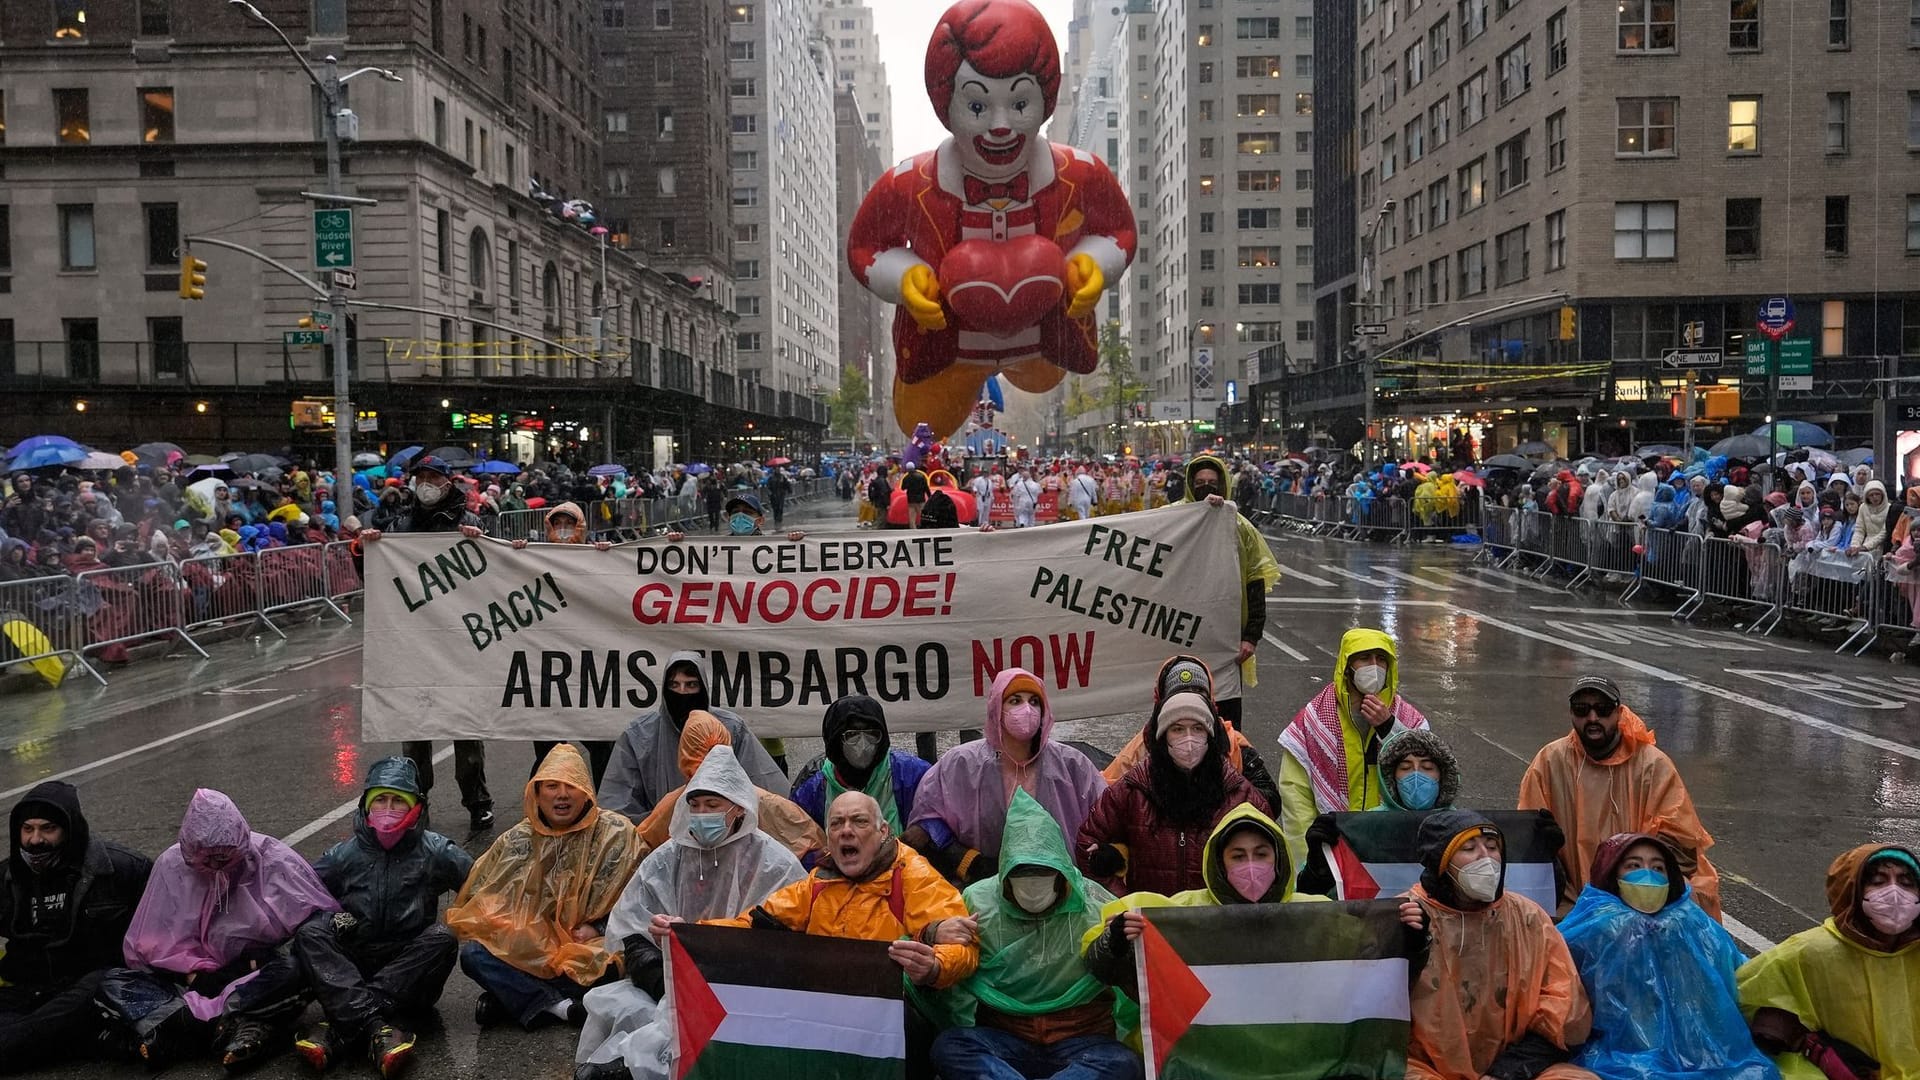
{"points": [[1583, 709]]}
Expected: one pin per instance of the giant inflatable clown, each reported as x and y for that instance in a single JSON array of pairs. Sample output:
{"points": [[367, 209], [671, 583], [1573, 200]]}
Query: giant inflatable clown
{"points": [[998, 244]]}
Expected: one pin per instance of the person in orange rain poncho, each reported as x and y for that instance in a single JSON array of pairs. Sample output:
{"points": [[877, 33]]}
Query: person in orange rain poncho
{"points": [[778, 816], [1607, 777], [1499, 995], [532, 914]]}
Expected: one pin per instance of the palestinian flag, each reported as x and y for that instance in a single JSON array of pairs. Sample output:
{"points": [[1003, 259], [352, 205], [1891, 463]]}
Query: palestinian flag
{"points": [[761, 1004], [1282, 991], [1358, 856]]}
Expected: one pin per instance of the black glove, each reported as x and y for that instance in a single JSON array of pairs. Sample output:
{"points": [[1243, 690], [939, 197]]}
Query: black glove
{"points": [[982, 867], [644, 965], [1117, 936], [1106, 861]]}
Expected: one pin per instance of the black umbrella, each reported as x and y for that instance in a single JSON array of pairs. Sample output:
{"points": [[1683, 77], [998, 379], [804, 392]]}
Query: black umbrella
{"points": [[456, 457], [1508, 461], [1663, 450], [156, 451], [253, 463], [1535, 449], [1740, 446]]}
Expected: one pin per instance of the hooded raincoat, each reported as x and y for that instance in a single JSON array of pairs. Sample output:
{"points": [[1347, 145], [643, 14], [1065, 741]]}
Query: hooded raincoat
{"points": [[1843, 980], [537, 883], [894, 782], [394, 892], [646, 758], [103, 883], [197, 919], [1323, 767], [1634, 789], [1498, 983], [1662, 987], [1258, 570], [624, 1022], [1398, 748], [1240, 752], [966, 794], [780, 818]]}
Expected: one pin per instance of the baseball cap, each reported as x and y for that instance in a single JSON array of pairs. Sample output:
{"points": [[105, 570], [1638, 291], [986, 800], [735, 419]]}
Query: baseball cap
{"points": [[1599, 684]]}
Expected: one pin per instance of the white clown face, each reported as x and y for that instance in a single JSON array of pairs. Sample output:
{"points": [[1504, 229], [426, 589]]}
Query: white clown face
{"points": [[995, 122]]}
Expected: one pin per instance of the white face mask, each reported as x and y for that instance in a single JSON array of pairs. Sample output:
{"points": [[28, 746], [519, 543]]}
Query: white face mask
{"points": [[1478, 880], [1034, 894], [861, 749], [1370, 679], [429, 492], [1187, 748]]}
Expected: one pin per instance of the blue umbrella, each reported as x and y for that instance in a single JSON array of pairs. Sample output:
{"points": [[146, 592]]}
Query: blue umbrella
{"points": [[500, 468], [398, 462], [607, 470], [34, 442], [45, 456], [1797, 433], [697, 469]]}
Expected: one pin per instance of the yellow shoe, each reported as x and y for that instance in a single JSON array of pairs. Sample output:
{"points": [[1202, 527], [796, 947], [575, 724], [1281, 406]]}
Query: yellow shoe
{"points": [[942, 402], [1035, 375]]}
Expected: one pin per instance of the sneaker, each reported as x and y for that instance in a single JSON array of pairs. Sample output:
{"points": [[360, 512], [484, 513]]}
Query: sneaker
{"points": [[169, 1041], [488, 1012], [390, 1049], [481, 818], [601, 1070], [247, 1043], [317, 1046]]}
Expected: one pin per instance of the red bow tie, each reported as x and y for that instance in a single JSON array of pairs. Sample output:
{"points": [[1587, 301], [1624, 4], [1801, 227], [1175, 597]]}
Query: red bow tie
{"points": [[979, 191]]}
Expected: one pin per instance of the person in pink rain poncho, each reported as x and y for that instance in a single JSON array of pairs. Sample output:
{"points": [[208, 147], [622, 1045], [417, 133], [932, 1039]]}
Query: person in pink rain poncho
{"points": [[207, 961]]}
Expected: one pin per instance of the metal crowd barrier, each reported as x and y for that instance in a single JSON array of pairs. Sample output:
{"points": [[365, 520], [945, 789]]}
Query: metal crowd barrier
{"points": [[294, 577], [223, 589], [518, 524], [1745, 573], [343, 572], [1499, 527], [127, 605], [1836, 589], [1382, 517], [41, 619], [1672, 558], [1611, 550], [1897, 599]]}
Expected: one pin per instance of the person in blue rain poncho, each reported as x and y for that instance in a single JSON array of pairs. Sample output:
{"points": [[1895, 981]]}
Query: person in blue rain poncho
{"points": [[1659, 972]]}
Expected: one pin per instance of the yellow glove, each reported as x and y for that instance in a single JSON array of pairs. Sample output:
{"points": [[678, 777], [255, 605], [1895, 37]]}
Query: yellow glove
{"points": [[1085, 283], [920, 295]]}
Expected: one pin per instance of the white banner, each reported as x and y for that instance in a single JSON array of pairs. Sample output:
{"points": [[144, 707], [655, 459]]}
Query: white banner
{"points": [[469, 638]]}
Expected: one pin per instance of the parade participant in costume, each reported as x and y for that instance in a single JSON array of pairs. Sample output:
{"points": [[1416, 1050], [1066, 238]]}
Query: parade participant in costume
{"points": [[646, 757], [960, 809], [1183, 674], [1331, 748], [716, 864], [1839, 1001], [1206, 479], [533, 912], [1659, 973], [779, 818], [1605, 777], [207, 962], [998, 244], [386, 956], [860, 757]]}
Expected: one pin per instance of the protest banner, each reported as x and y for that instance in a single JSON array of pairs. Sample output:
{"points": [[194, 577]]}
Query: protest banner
{"points": [[469, 638]]}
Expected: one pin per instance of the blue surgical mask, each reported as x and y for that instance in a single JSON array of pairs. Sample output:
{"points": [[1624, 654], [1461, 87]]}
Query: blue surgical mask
{"points": [[708, 829], [740, 525], [1644, 890], [1418, 791]]}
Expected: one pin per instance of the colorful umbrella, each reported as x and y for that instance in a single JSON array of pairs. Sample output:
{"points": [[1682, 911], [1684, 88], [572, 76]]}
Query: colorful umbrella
{"points": [[1797, 433], [210, 472], [33, 441], [500, 468], [780, 461], [42, 457], [608, 469], [398, 462], [1469, 478]]}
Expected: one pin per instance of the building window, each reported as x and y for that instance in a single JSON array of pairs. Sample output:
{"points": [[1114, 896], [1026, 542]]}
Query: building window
{"points": [[1414, 138], [1366, 125], [1644, 230], [1389, 85], [1439, 123], [1206, 221], [1913, 119], [1438, 198], [1743, 228], [1836, 234], [1510, 256], [1437, 281], [1743, 25], [1260, 294], [76, 237], [1256, 29], [443, 241], [1839, 24], [663, 121], [740, 13], [156, 114], [1644, 331], [1909, 328], [1208, 261], [1556, 41], [71, 116], [746, 196], [1839, 106], [1833, 328], [740, 50], [156, 18], [1743, 125], [437, 25], [1516, 72], [1647, 25], [1414, 60], [1439, 44], [743, 88], [1389, 157], [6, 237], [619, 180], [163, 233], [616, 121], [439, 123], [745, 123], [1258, 142], [1473, 19], [746, 269], [1645, 127], [1303, 104], [1303, 179], [1473, 184], [83, 348], [746, 161], [662, 14], [1472, 264], [1913, 224], [1414, 282], [1473, 99], [1256, 67], [1510, 163], [1557, 141], [1557, 240], [748, 342], [69, 20], [3, 117], [1262, 180]]}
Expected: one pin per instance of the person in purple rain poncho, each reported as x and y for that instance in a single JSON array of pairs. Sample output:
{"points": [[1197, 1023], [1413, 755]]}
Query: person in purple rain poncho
{"points": [[960, 809], [206, 953]]}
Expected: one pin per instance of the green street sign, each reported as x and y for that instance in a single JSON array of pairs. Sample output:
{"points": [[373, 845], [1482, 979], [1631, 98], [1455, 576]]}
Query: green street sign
{"points": [[303, 337], [1757, 357], [321, 319], [332, 238], [1796, 356]]}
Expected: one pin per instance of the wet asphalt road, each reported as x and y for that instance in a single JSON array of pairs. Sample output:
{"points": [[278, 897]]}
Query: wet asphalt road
{"points": [[1792, 753]]}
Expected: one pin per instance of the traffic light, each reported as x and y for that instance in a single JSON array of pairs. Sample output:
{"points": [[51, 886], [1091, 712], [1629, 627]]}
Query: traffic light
{"points": [[193, 278], [306, 322], [1566, 323]]}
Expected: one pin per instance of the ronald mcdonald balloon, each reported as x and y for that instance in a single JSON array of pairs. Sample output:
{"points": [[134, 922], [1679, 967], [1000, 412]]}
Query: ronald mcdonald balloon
{"points": [[997, 245]]}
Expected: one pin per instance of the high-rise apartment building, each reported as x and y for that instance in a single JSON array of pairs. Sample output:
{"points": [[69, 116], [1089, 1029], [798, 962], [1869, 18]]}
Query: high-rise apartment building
{"points": [[863, 123], [848, 25], [787, 238]]}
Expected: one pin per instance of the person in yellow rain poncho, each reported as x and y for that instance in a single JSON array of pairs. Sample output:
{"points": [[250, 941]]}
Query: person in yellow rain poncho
{"points": [[1207, 477], [532, 914], [779, 817], [1842, 1000], [1332, 748]]}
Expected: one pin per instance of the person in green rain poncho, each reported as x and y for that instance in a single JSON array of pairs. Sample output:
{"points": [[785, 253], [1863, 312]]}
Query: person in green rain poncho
{"points": [[1032, 1009], [860, 757]]}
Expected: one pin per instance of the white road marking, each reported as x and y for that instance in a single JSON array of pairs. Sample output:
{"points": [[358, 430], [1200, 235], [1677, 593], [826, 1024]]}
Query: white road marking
{"points": [[1361, 578], [1488, 571], [1466, 579], [1422, 582], [321, 659], [1352, 601], [294, 838], [1288, 573], [1285, 648], [1744, 934], [1615, 612], [144, 747]]}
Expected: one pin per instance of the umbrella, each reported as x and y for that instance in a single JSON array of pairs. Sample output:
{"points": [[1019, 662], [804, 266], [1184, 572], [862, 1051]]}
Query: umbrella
{"points": [[698, 469], [1549, 470], [1658, 450], [1420, 466], [101, 461], [157, 451], [608, 469], [200, 496], [1740, 446], [367, 460], [245, 483], [780, 461], [202, 459], [456, 457], [1534, 449], [41, 457], [398, 462], [1797, 433], [1859, 455], [206, 472], [35, 441], [508, 468], [1470, 478], [253, 463], [1508, 461]]}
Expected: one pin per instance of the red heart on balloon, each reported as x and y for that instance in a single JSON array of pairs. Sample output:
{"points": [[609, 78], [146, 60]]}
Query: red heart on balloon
{"points": [[1003, 287]]}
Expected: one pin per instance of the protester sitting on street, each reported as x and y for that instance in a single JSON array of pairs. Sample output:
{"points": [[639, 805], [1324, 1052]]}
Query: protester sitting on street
{"points": [[533, 911], [1206, 482], [646, 757], [1606, 777], [780, 819], [1144, 832], [381, 962], [1179, 674], [1417, 772], [66, 898], [207, 963], [860, 757], [1499, 996], [1330, 750], [716, 863], [960, 809], [1032, 1009], [1658, 972], [1839, 1001]]}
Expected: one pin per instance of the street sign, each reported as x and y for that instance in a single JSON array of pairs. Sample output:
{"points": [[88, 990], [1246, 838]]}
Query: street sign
{"points": [[1757, 357], [1796, 364], [332, 238], [346, 280], [1776, 317], [303, 337], [1694, 334], [322, 320], [1371, 329], [1691, 358]]}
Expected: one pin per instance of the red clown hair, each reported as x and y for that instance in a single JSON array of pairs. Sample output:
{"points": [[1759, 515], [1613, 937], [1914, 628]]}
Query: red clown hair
{"points": [[1001, 39]]}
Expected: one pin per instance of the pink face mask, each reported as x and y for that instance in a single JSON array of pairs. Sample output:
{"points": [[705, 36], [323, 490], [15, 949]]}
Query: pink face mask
{"points": [[1020, 721], [1251, 879], [390, 825], [1891, 909]]}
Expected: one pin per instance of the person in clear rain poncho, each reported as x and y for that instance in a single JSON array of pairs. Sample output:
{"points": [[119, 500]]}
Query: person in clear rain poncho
{"points": [[716, 863], [779, 817]]}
